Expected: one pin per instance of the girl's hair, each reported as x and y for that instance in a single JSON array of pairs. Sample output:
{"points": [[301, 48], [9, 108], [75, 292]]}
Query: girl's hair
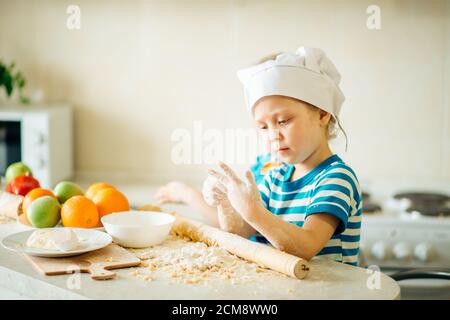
{"points": [[332, 130]]}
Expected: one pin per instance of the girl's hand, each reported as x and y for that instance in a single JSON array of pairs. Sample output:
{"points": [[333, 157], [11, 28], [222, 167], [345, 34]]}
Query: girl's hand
{"points": [[213, 191], [243, 195], [174, 191]]}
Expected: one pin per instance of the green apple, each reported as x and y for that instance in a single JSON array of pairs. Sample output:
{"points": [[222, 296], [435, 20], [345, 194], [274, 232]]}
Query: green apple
{"points": [[66, 190], [15, 170], [44, 212]]}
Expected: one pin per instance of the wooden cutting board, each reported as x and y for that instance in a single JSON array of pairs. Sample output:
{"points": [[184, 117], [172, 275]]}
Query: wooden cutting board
{"points": [[98, 263]]}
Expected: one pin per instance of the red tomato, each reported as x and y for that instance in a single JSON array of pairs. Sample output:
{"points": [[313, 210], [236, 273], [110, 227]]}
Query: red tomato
{"points": [[9, 188], [23, 184]]}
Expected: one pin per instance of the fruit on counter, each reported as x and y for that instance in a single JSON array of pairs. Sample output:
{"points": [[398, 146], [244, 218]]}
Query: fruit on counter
{"points": [[95, 187], [9, 188], [110, 200], [31, 196], [17, 169], [21, 185], [44, 212], [66, 190], [79, 212]]}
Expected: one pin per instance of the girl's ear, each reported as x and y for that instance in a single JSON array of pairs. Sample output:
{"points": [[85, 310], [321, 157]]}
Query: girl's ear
{"points": [[324, 117]]}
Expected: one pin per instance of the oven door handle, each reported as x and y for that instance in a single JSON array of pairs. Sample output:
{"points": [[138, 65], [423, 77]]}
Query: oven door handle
{"points": [[431, 273]]}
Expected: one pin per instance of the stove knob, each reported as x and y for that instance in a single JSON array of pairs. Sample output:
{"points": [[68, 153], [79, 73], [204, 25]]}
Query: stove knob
{"points": [[424, 252], [380, 250], [402, 251]]}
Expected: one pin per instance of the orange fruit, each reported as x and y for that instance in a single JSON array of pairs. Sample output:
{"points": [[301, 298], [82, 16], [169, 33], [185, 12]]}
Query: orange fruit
{"points": [[94, 188], [79, 212], [30, 197], [110, 200]]}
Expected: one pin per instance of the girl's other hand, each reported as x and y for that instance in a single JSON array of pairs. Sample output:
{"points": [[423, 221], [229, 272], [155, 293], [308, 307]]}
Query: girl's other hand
{"points": [[214, 192], [174, 191]]}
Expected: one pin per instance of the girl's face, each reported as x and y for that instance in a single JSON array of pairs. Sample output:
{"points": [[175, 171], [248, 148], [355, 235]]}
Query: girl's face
{"points": [[291, 128]]}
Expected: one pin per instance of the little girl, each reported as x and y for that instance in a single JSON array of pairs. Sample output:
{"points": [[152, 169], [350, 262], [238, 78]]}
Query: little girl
{"points": [[311, 204]]}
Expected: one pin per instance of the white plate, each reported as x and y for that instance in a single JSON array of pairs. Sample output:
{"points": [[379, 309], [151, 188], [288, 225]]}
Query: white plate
{"points": [[90, 239]]}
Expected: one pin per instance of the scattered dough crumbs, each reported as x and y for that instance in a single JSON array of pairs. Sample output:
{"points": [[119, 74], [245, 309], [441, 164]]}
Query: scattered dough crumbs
{"points": [[4, 219], [183, 261]]}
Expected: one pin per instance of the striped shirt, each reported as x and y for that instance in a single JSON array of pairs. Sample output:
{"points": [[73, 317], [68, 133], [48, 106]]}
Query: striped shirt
{"points": [[333, 188]]}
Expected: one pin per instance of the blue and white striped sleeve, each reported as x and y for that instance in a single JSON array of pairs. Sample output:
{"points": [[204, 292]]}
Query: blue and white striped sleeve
{"points": [[333, 195], [264, 190]]}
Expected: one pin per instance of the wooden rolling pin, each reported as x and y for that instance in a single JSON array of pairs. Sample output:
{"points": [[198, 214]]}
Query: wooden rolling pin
{"points": [[259, 253]]}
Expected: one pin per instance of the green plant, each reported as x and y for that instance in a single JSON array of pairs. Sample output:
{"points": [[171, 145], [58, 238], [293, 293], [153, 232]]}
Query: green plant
{"points": [[11, 80]]}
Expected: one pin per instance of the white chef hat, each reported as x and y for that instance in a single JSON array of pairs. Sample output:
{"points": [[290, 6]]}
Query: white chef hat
{"points": [[306, 75]]}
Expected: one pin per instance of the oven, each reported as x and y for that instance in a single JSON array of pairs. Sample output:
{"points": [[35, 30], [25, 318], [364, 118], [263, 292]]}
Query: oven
{"points": [[407, 236]]}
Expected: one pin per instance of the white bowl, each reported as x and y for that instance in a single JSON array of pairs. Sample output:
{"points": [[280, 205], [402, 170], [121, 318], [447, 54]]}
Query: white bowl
{"points": [[138, 229]]}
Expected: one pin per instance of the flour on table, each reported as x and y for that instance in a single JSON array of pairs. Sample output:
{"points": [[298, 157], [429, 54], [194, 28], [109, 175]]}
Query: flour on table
{"points": [[184, 261], [6, 219]]}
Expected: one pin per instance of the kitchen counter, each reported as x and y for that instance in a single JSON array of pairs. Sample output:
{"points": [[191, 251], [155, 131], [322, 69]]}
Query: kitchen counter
{"points": [[325, 280]]}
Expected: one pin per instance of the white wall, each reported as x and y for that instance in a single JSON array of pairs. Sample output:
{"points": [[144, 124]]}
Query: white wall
{"points": [[446, 107], [137, 70]]}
